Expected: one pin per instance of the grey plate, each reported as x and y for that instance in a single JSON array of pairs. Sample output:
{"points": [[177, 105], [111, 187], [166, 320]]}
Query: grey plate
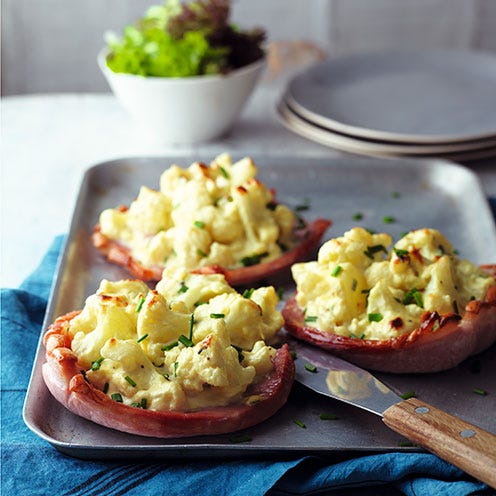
{"points": [[432, 193], [475, 150], [420, 97]]}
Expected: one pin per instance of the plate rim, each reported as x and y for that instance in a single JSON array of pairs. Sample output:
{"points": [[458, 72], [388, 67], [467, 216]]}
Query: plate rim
{"points": [[298, 124], [370, 133]]}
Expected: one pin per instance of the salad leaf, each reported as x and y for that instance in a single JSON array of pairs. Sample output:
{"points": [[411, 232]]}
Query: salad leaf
{"points": [[181, 40]]}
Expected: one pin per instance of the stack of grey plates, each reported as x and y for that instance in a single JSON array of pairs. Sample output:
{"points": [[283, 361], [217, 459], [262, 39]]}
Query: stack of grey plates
{"points": [[416, 104]]}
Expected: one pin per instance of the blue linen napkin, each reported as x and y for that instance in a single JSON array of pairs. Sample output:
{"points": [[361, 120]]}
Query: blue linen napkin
{"points": [[31, 466]]}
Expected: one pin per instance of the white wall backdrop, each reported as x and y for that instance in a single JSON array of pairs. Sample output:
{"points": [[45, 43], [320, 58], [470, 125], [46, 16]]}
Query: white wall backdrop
{"points": [[51, 45]]}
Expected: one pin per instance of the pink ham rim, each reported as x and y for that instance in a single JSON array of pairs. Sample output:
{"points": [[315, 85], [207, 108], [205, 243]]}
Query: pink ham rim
{"points": [[309, 238], [65, 380]]}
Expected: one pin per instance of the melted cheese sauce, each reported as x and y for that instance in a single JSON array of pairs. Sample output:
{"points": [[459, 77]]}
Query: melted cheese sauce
{"points": [[359, 288], [204, 215], [192, 343]]}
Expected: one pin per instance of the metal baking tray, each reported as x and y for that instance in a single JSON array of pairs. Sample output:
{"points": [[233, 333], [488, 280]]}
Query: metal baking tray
{"points": [[427, 193]]}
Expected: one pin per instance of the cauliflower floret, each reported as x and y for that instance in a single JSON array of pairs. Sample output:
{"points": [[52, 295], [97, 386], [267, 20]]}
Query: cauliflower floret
{"points": [[357, 246], [210, 372], [331, 295], [185, 291], [150, 212], [242, 316], [160, 325], [113, 224], [260, 357], [127, 371], [102, 318], [266, 298]]}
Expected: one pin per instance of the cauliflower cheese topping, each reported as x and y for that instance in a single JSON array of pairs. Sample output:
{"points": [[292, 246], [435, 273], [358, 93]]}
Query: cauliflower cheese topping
{"points": [[216, 214], [360, 288], [190, 344]]}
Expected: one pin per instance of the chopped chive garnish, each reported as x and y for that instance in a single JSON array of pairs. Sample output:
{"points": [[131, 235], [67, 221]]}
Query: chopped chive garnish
{"points": [[191, 324], [96, 364], [357, 337], [310, 367], [395, 194], [480, 392], [248, 292], [140, 304], [401, 253], [271, 205], [142, 338], [130, 381], [224, 172], [176, 364], [301, 224], [328, 416], [253, 259], [301, 208], [293, 354], [200, 224], [299, 423], [413, 296], [183, 288], [336, 271], [354, 284], [280, 293], [372, 250], [241, 438], [169, 346], [375, 317], [366, 292], [217, 315], [116, 397], [201, 253], [305, 205], [311, 318], [143, 403], [408, 394], [357, 216], [185, 341], [105, 388], [388, 219]]}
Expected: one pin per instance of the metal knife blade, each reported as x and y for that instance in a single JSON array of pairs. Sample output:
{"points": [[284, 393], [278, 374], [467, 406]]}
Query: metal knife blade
{"points": [[465, 445], [331, 376]]}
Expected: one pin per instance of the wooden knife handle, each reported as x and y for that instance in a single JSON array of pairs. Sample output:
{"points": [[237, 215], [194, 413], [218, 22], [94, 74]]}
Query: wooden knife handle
{"points": [[464, 445]]}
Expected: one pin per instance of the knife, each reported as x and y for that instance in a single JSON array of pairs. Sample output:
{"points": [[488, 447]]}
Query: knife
{"points": [[464, 445]]}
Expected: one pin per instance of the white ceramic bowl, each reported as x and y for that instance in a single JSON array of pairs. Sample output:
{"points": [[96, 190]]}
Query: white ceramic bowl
{"points": [[184, 110]]}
